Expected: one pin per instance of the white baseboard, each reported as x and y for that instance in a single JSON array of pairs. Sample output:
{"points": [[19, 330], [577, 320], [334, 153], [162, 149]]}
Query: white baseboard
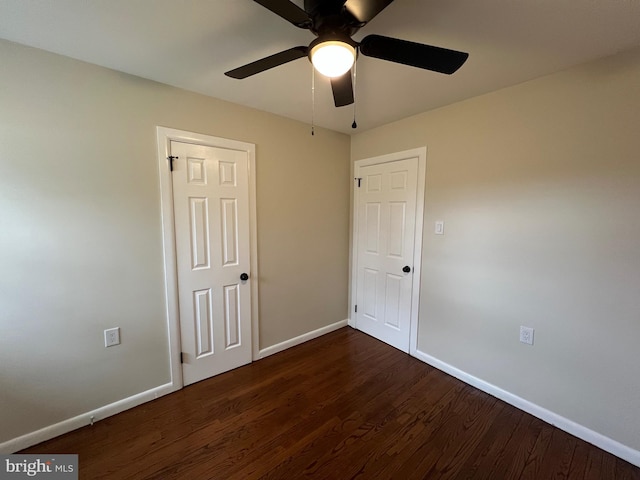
{"points": [[605, 443], [279, 347], [47, 433], [609, 445]]}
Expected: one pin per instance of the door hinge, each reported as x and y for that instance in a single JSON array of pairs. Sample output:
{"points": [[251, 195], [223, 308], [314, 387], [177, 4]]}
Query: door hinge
{"points": [[356, 308], [181, 357], [358, 179], [171, 158]]}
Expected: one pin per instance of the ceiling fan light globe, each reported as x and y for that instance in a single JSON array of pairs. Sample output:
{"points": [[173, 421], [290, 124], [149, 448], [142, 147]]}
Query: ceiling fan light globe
{"points": [[333, 58]]}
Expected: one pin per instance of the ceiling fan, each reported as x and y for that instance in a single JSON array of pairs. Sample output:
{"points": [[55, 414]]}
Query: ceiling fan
{"points": [[334, 52]]}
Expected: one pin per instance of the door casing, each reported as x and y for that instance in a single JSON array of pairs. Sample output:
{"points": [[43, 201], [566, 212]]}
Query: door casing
{"points": [[164, 137], [421, 154]]}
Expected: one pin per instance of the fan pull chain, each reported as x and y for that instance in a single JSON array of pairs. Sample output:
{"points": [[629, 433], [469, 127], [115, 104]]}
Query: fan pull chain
{"points": [[313, 99], [355, 95]]}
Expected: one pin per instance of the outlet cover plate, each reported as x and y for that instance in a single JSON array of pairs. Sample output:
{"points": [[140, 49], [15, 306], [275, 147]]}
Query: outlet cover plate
{"points": [[526, 335], [112, 337]]}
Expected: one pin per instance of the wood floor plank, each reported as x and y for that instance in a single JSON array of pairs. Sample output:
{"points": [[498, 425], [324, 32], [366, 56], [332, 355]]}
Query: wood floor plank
{"points": [[341, 406], [395, 444], [579, 462], [561, 449], [366, 422], [484, 462], [538, 454], [623, 472], [300, 453], [450, 454]]}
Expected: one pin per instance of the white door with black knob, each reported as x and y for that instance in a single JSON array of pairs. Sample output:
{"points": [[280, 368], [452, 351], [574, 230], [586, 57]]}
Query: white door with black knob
{"points": [[211, 212], [386, 213]]}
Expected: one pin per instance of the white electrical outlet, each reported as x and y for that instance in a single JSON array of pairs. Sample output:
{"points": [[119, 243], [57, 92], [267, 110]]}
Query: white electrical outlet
{"points": [[112, 337], [526, 335]]}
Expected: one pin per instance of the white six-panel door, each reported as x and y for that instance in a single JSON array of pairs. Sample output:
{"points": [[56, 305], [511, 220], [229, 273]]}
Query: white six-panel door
{"points": [[385, 207], [211, 211]]}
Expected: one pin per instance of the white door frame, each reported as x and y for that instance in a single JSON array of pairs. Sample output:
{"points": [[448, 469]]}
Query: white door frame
{"points": [[421, 153], [164, 138]]}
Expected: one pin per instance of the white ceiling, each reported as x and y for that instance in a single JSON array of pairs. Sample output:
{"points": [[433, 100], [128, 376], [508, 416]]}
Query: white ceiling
{"points": [[191, 43]]}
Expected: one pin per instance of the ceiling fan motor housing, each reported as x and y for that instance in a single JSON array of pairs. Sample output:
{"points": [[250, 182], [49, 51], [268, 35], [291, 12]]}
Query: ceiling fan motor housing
{"points": [[332, 37], [324, 7], [331, 17]]}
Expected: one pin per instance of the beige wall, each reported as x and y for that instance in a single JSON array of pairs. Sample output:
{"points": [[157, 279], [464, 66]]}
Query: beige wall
{"points": [[539, 188], [80, 233]]}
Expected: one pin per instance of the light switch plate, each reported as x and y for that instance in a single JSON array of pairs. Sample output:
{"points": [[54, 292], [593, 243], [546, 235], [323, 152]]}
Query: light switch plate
{"points": [[439, 227]]}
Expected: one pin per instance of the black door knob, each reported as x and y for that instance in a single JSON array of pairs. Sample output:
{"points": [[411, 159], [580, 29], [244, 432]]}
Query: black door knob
{"points": [[406, 269], [244, 277]]}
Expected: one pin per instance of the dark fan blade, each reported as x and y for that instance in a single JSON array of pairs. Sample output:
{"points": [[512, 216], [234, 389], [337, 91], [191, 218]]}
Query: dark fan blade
{"points": [[342, 90], [267, 63], [365, 10], [287, 10], [418, 55]]}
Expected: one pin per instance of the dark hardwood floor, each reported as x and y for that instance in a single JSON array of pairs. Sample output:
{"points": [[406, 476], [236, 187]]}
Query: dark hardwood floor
{"points": [[338, 407]]}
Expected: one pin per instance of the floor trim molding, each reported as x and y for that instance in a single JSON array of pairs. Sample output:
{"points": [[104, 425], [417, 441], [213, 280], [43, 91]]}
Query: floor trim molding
{"points": [[605, 443], [615, 448], [65, 426], [292, 342]]}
